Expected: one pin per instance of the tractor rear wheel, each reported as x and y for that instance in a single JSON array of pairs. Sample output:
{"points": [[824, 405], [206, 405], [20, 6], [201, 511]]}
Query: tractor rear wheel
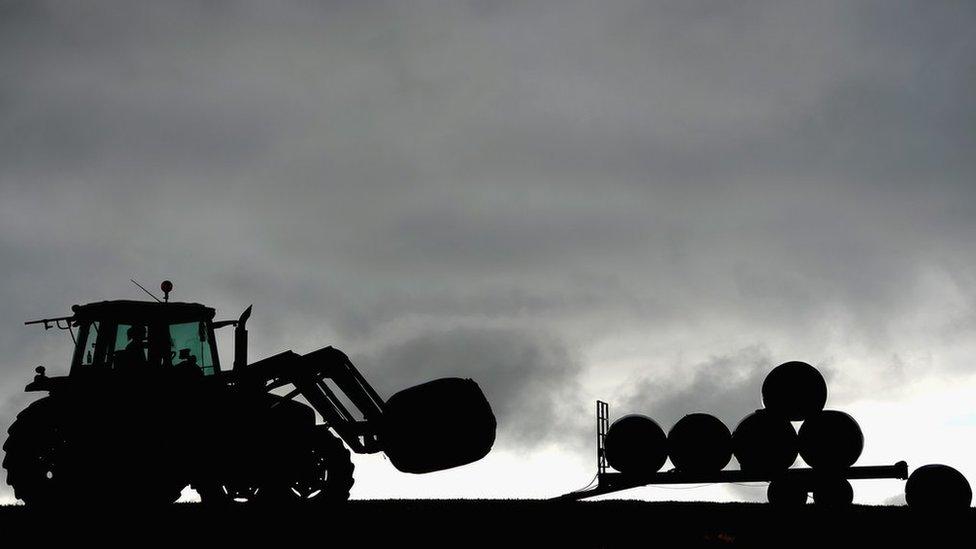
{"points": [[51, 460], [34, 454]]}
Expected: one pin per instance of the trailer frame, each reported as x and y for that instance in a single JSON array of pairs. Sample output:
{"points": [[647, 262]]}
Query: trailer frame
{"points": [[610, 482]]}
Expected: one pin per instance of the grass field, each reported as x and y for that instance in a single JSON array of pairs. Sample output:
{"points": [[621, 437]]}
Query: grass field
{"points": [[497, 523]]}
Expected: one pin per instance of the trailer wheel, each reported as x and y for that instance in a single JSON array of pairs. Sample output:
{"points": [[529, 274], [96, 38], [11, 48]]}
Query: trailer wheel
{"points": [[326, 478], [786, 494], [833, 493]]}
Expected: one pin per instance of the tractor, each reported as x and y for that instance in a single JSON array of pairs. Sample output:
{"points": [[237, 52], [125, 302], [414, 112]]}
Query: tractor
{"points": [[147, 408]]}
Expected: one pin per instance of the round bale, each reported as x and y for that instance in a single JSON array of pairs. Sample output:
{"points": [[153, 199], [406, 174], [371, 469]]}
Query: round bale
{"points": [[830, 439], [700, 443], [937, 488], [764, 443], [794, 390], [636, 445]]}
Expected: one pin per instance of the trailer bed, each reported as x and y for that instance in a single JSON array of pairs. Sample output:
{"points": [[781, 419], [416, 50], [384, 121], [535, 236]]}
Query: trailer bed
{"points": [[609, 482], [614, 482]]}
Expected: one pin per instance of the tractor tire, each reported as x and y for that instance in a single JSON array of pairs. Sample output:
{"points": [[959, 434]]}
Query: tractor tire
{"points": [[34, 454], [50, 464], [325, 479], [215, 494]]}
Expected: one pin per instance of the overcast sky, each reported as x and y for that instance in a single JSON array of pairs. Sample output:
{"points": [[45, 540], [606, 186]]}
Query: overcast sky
{"points": [[652, 203]]}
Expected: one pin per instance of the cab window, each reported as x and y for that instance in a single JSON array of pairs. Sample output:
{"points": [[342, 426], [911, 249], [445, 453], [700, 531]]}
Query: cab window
{"points": [[190, 346], [88, 355], [87, 351]]}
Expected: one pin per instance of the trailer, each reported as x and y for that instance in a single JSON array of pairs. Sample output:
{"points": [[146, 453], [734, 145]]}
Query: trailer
{"points": [[790, 487]]}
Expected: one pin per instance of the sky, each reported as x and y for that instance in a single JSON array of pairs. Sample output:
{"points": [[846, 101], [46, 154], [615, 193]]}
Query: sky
{"points": [[649, 203]]}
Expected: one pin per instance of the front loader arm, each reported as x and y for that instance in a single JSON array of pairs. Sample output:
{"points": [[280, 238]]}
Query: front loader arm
{"points": [[309, 375], [433, 426]]}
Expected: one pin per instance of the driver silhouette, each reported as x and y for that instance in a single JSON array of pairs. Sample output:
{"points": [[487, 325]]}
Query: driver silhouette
{"points": [[134, 356]]}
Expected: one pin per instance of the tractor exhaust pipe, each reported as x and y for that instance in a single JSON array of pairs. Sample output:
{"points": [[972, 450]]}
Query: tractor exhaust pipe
{"points": [[240, 339]]}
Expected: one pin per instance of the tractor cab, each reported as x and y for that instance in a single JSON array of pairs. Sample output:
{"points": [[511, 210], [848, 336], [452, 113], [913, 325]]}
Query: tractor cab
{"points": [[142, 335]]}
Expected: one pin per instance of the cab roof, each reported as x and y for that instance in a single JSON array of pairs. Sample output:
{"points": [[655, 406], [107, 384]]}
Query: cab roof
{"points": [[142, 311]]}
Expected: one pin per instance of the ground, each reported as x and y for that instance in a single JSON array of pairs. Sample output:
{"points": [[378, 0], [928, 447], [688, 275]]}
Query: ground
{"points": [[498, 523]]}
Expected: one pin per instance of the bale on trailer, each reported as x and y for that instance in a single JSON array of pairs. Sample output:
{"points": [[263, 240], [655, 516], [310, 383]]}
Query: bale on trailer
{"points": [[830, 439], [764, 442], [699, 443], [794, 390], [437, 425], [788, 487], [636, 445], [766, 446]]}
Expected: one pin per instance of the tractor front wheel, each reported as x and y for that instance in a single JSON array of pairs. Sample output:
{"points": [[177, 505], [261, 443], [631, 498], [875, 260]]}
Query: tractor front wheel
{"points": [[223, 494], [326, 477]]}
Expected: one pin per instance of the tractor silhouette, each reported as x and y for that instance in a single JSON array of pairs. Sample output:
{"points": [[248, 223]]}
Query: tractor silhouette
{"points": [[147, 408]]}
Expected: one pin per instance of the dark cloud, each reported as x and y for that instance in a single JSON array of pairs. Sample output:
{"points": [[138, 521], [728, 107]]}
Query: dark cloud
{"points": [[728, 387]]}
